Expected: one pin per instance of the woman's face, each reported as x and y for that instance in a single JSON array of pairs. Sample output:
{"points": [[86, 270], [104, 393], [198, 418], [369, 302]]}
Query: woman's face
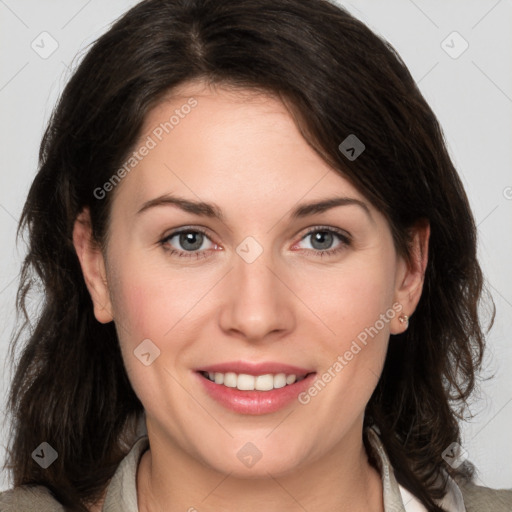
{"points": [[255, 278]]}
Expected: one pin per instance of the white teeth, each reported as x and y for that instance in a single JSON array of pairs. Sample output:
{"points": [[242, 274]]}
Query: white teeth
{"points": [[230, 380], [245, 382], [280, 380], [290, 379]]}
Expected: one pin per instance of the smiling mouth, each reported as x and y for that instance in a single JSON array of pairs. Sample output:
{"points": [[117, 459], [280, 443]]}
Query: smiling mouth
{"points": [[246, 382]]}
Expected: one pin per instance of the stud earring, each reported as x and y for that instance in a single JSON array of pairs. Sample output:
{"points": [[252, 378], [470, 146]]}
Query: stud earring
{"points": [[404, 319]]}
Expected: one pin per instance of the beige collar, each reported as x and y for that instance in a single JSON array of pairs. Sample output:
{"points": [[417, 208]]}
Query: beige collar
{"points": [[399, 499], [122, 491]]}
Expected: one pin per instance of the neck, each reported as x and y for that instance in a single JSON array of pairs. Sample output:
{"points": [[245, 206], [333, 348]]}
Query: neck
{"points": [[342, 480]]}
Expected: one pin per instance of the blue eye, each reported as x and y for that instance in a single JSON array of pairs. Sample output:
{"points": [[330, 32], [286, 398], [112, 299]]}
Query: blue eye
{"points": [[322, 240], [191, 242]]}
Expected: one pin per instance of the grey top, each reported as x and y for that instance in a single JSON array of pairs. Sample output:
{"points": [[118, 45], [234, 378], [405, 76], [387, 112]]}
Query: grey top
{"points": [[121, 493]]}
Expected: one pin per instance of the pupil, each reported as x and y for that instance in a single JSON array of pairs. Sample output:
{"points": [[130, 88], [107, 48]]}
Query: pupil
{"points": [[325, 239], [186, 238]]}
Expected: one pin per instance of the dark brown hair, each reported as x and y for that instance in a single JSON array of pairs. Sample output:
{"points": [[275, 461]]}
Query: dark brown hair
{"points": [[338, 78]]}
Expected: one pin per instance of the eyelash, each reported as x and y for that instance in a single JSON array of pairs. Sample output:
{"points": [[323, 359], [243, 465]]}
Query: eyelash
{"points": [[342, 236]]}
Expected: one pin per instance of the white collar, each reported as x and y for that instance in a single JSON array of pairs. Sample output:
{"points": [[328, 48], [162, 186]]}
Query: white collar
{"points": [[399, 499], [122, 491]]}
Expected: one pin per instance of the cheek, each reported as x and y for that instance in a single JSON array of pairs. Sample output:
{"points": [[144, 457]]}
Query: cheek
{"points": [[366, 330], [149, 305], [356, 306], [148, 300], [156, 303], [138, 309], [350, 299]]}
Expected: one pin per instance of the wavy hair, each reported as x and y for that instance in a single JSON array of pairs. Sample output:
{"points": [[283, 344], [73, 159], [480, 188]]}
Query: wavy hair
{"points": [[337, 77]]}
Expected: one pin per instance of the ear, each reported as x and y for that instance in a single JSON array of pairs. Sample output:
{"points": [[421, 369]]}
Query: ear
{"points": [[93, 267], [411, 275]]}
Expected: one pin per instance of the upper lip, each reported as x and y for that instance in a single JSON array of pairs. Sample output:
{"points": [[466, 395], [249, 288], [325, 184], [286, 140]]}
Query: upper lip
{"points": [[255, 368]]}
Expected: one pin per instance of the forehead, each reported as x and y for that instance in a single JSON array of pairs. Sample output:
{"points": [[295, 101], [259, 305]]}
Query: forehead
{"points": [[224, 144]]}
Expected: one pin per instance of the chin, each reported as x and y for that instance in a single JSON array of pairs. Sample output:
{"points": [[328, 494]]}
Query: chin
{"points": [[248, 461]]}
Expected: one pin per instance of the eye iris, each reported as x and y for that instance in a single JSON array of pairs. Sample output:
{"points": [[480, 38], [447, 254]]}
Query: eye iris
{"points": [[321, 240], [192, 237], [324, 237]]}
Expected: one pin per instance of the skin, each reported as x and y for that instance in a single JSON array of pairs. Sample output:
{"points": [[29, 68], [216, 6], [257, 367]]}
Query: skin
{"points": [[242, 151]]}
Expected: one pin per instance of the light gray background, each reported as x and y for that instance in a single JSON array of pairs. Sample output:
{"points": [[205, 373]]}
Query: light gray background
{"points": [[471, 95]]}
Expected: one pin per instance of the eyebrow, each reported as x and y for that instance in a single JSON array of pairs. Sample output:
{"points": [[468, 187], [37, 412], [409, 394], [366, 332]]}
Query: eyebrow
{"points": [[213, 211]]}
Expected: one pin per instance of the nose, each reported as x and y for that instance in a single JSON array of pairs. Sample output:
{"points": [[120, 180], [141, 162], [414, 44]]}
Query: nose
{"points": [[257, 302]]}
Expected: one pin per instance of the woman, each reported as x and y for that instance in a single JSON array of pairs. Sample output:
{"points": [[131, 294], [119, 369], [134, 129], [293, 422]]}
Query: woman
{"points": [[315, 345]]}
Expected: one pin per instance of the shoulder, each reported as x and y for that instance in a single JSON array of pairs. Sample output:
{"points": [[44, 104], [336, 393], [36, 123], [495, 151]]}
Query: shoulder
{"points": [[484, 499], [38, 498], [27, 498]]}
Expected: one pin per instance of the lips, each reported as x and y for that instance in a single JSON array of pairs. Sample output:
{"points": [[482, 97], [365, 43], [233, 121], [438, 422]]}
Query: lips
{"points": [[254, 402], [255, 368]]}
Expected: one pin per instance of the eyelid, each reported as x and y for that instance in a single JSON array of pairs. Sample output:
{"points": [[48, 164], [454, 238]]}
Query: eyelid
{"points": [[341, 232], [307, 231], [187, 229]]}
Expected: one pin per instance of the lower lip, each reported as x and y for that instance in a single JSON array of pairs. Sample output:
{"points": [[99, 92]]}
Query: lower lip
{"points": [[255, 402]]}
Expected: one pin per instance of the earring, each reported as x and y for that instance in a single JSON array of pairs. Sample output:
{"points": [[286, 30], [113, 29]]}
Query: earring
{"points": [[404, 319]]}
